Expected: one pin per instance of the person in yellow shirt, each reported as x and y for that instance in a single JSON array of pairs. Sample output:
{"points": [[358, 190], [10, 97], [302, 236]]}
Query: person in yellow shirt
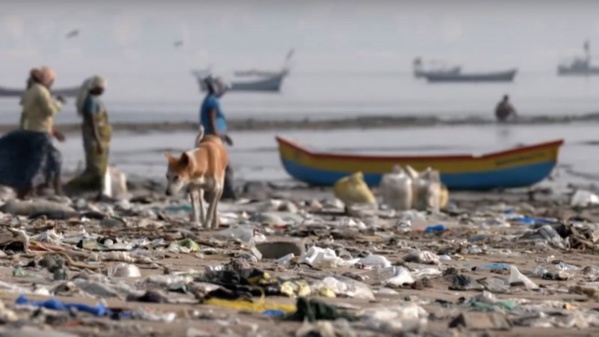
{"points": [[39, 107]]}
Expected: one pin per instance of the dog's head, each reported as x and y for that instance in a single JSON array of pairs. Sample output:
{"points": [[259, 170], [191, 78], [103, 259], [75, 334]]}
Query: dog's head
{"points": [[177, 173]]}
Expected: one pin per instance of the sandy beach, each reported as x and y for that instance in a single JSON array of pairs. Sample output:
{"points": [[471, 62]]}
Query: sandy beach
{"points": [[465, 271], [384, 78]]}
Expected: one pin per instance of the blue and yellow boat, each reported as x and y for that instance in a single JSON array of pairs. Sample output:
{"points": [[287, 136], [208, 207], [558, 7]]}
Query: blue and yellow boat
{"points": [[518, 167]]}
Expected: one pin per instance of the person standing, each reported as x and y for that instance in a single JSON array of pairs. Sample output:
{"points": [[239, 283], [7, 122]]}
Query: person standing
{"points": [[97, 133], [505, 110], [39, 107], [214, 122]]}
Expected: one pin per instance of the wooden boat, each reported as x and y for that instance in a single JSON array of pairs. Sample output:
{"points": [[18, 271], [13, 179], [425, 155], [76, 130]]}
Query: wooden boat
{"points": [[518, 167], [497, 76]]}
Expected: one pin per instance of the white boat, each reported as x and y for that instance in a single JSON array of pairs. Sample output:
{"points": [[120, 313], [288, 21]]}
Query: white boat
{"points": [[250, 80], [579, 66], [433, 68]]}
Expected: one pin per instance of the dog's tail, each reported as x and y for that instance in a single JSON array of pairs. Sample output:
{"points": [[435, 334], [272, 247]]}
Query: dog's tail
{"points": [[200, 136]]}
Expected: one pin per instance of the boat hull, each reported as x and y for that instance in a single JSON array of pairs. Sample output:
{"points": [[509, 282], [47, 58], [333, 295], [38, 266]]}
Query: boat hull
{"points": [[423, 73], [567, 71], [264, 84], [520, 167], [503, 76]]}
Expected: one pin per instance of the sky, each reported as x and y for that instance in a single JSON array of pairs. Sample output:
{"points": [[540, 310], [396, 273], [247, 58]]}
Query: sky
{"points": [[132, 42]]}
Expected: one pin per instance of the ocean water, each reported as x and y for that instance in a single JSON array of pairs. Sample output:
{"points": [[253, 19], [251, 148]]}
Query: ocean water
{"points": [[322, 95], [254, 155], [337, 95]]}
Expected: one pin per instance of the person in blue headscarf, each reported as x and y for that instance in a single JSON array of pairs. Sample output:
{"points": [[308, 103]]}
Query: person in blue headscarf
{"points": [[214, 122]]}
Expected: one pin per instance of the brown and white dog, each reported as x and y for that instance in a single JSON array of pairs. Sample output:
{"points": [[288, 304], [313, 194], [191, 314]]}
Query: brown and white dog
{"points": [[202, 170]]}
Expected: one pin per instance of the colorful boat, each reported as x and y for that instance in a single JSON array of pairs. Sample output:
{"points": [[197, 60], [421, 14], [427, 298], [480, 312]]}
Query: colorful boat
{"points": [[518, 167]]}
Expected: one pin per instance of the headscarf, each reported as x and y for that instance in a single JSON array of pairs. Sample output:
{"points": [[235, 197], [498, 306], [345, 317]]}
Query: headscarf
{"points": [[89, 84], [43, 75], [221, 86]]}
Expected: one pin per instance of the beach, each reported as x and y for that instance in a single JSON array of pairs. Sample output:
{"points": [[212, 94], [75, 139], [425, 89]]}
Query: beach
{"points": [[499, 263], [466, 271], [466, 283]]}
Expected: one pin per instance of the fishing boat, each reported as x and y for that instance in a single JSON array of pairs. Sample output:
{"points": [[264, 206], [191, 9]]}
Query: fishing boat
{"points": [[272, 83], [15, 92], [519, 167], [496, 76], [579, 66], [251, 80], [434, 67]]}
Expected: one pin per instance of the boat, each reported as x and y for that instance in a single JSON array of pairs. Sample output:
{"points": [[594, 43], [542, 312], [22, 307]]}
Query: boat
{"points": [[254, 83], [267, 73], [14, 92], [435, 68], [579, 66], [518, 167], [497, 76], [251, 80]]}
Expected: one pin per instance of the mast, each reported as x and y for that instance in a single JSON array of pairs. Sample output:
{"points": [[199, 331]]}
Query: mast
{"points": [[587, 50]]}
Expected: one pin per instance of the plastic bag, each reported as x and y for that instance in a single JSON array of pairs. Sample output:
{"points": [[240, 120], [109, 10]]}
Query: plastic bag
{"points": [[413, 174], [321, 257], [516, 277], [396, 189], [115, 183], [444, 197], [584, 198], [427, 190], [353, 190]]}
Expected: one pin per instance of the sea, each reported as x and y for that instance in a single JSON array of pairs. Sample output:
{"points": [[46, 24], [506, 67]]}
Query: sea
{"points": [[337, 95]]}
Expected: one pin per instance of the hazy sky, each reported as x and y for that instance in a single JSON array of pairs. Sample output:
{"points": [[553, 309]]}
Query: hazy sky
{"points": [[131, 42]]}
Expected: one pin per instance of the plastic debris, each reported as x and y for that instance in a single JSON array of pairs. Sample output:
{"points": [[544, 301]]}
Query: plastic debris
{"points": [[396, 189], [353, 190], [582, 198]]}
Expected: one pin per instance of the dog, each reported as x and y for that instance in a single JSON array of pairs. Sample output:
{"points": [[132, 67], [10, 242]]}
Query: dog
{"points": [[200, 170]]}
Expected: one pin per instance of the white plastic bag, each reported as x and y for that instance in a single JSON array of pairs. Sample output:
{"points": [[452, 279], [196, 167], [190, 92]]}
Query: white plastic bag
{"points": [[427, 190], [516, 277], [396, 189], [107, 183], [115, 183], [584, 198]]}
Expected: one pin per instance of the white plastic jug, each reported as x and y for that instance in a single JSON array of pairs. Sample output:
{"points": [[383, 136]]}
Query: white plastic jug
{"points": [[396, 189]]}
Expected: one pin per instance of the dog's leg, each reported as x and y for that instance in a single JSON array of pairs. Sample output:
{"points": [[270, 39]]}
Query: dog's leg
{"points": [[193, 197], [214, 195], [218, 192], [201, 205]]}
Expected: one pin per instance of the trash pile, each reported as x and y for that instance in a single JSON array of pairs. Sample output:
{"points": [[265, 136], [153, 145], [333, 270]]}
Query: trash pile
{"points": [[402, 259]]}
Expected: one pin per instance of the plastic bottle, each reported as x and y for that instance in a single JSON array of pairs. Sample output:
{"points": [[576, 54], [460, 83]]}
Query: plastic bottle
{"points": [[435, 228]]}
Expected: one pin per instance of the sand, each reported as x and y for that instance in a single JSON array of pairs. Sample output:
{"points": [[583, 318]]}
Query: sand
{"points": [[380, 236]]}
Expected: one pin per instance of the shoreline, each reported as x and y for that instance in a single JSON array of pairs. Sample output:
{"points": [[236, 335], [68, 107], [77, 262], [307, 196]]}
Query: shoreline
{"points": [[369, 122]]}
